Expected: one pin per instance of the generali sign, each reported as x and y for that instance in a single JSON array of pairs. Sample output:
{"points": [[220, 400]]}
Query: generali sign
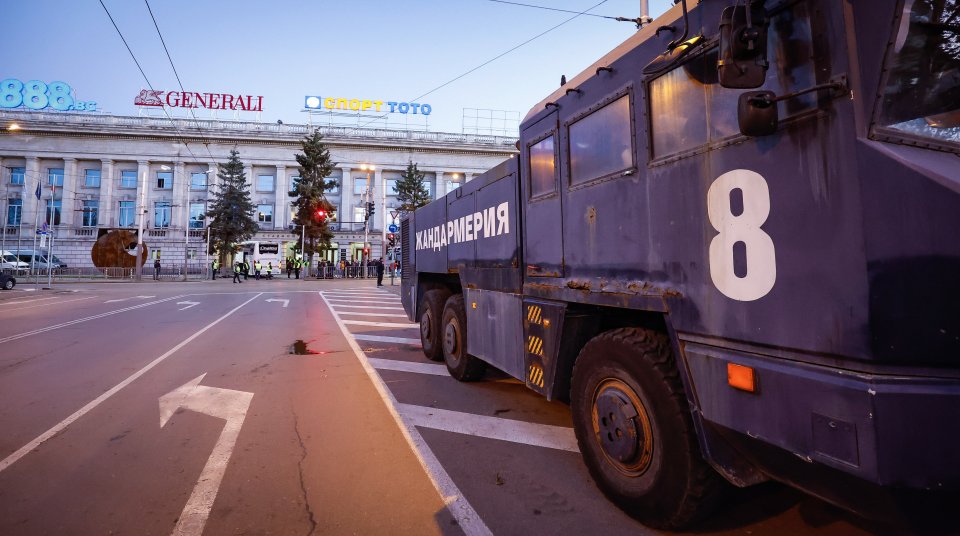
{"points": [[189, 99]]}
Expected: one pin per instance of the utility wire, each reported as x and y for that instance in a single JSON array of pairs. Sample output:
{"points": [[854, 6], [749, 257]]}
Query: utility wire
{"points": [[553, 9], [175, 73], [164, 108], [491, 60]]}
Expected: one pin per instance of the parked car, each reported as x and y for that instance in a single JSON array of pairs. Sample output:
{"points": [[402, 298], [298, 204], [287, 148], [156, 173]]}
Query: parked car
{"points": [[7, 281], [39, 258], [11, 263]]}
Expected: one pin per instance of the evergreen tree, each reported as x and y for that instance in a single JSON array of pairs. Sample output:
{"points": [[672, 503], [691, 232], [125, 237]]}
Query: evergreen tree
{"points": [[231, 214], [310, 191], [411, 191]]}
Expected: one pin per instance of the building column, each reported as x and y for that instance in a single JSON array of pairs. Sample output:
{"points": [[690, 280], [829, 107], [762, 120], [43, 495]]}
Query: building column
{"points": [[439, 186], [106, 211], [68, 194], [31, 206], [467, 177], [346, 197], [144, 210], [281, 198], [180, 197]]}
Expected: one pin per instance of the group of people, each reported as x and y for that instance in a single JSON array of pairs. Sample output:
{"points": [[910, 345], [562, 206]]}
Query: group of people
{"points": [[295, 265]]}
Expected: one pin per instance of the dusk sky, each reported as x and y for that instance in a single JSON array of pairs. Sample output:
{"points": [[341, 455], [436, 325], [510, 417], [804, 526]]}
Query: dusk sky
{"points": [[284, 50]]}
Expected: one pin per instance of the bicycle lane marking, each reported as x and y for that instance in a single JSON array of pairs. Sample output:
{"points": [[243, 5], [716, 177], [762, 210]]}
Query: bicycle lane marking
{"points": [[26, 449]]}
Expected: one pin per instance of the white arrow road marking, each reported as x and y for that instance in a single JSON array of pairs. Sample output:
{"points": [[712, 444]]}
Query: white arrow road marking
{"points": [[285, 302], [188, 304], [226, 404], [132, 298]]}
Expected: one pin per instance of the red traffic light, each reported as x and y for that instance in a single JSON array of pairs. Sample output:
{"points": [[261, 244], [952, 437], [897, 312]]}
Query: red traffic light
{"points": [[322, 214], [390, 236]]}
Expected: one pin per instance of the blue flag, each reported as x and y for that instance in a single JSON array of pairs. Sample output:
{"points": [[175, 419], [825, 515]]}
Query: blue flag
{"points": [[37, 193]]}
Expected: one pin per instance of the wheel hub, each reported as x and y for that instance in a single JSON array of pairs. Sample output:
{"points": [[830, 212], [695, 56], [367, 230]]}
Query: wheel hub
{"points": [[425, 322], [451, 339], [622, 427]]}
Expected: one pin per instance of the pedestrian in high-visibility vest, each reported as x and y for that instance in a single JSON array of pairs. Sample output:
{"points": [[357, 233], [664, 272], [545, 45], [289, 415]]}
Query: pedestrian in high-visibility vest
{"points": [[215, 266], [296, 267], [237, 267], [256, 269], [270, 270]]}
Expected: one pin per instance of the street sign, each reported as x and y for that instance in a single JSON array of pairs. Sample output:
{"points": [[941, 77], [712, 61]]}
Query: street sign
{"points": [[393, 228], [393, 214]]}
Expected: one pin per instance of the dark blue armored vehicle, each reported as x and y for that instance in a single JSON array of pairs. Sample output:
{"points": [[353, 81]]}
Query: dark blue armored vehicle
{"points": [[733, 244]]}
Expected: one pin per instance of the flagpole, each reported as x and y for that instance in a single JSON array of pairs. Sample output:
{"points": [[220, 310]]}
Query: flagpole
{"points": [[53, 226], [36, 227]]}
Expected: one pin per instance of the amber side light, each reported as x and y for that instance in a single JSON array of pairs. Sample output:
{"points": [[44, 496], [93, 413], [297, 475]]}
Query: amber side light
{"points": [[741, 377]]}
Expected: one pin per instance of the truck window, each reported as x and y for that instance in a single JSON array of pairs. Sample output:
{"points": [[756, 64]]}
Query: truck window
{"points": [[921, 96], [543, 177], [601, 143], [689, 109]]}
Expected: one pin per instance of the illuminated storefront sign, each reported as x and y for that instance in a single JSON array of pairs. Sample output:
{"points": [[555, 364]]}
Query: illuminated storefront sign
{"points": [[363, 105], [190, 99], [37, 95]]}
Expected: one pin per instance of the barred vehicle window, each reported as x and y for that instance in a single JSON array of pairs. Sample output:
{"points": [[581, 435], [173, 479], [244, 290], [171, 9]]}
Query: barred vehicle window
{"points": [[601, 143], [543, 169]]}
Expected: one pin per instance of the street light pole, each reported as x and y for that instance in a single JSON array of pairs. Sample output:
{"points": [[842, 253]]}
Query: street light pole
{"points": [[141, 209]]}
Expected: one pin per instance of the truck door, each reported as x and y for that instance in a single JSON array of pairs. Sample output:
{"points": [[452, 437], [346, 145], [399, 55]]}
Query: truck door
{"points": [[540, 174]]}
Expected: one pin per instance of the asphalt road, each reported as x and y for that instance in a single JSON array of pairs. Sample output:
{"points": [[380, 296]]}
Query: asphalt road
{"points": [[289, 407]]}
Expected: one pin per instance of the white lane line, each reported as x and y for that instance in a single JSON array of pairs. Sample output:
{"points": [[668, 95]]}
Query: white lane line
{"points": [[361, 296], [44, 304], [353, 313], [380, 324], [527, 433], [337, 306], [452, 497], [409, 366], [85, 319], [365, 300], [378, 338], [29, 301], [24, 450]]}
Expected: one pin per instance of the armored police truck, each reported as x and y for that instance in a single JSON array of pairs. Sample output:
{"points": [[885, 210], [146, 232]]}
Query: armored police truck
{"points": [[732, 245]]}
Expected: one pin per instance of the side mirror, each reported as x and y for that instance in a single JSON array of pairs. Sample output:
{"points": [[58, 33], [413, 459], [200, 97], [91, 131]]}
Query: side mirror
{"points": [[757, 113], [743, 47]]}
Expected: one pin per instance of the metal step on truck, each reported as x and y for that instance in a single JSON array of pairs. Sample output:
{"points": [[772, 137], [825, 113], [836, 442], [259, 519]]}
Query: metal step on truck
{"points": [[732, 245]]}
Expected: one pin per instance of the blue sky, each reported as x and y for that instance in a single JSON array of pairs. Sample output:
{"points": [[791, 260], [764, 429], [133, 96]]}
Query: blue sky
{"points": [[285, 49]]}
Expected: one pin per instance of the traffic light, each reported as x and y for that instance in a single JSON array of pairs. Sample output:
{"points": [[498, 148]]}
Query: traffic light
{"points": [[391, 239], [321, 215], [370, 209]]}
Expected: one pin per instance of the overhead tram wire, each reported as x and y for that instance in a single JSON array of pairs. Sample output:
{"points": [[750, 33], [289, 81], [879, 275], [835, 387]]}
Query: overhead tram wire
{"points": [[491, 60], [176, 74], [147, 80], [554, 9]]}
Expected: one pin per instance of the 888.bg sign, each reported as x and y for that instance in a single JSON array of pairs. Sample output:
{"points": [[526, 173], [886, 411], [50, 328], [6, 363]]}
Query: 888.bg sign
{"points": [[37, 95]]}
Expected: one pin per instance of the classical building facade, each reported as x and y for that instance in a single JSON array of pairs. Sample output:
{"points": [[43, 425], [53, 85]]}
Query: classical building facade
{"points": [[95, 171]]}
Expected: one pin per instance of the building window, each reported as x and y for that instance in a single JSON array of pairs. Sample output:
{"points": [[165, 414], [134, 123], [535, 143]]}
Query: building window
{"points": [[55, 176], [16, 175], [161, 214], [14, 211], [53, 210], [164, 180], [90, 209], [391, 187], [126, 216], [601, 144], [334, 185], [197, 216], [293, 182], [198, 181], [128, 179], [265, 183], [543, 175], [91, 178], [429, 187], [359, 214], [265, 213]]}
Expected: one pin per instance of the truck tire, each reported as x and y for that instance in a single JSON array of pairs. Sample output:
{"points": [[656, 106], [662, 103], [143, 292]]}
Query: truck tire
{"points": [[9, 283], [461, 365], [431, 312], [635, 432]]}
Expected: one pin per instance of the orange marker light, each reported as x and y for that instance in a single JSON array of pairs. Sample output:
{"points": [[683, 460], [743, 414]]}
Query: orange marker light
{"points": [[741, 377]]}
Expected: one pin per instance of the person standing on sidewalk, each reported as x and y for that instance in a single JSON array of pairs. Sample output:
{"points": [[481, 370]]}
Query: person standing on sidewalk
{"points": [[380, 268], [257, 266], [156, 268], [214, 268], [296, 267], [237, 266]]}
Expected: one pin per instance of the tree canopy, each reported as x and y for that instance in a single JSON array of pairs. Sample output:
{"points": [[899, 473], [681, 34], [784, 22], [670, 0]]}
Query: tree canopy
{"points": [[411, 190], [231, 214], [310, 192]]}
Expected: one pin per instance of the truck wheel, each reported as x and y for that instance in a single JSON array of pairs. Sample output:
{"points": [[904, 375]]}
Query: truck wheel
{"points": [[8, 284], [635, 432], [460, 364], [431, 311]]}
